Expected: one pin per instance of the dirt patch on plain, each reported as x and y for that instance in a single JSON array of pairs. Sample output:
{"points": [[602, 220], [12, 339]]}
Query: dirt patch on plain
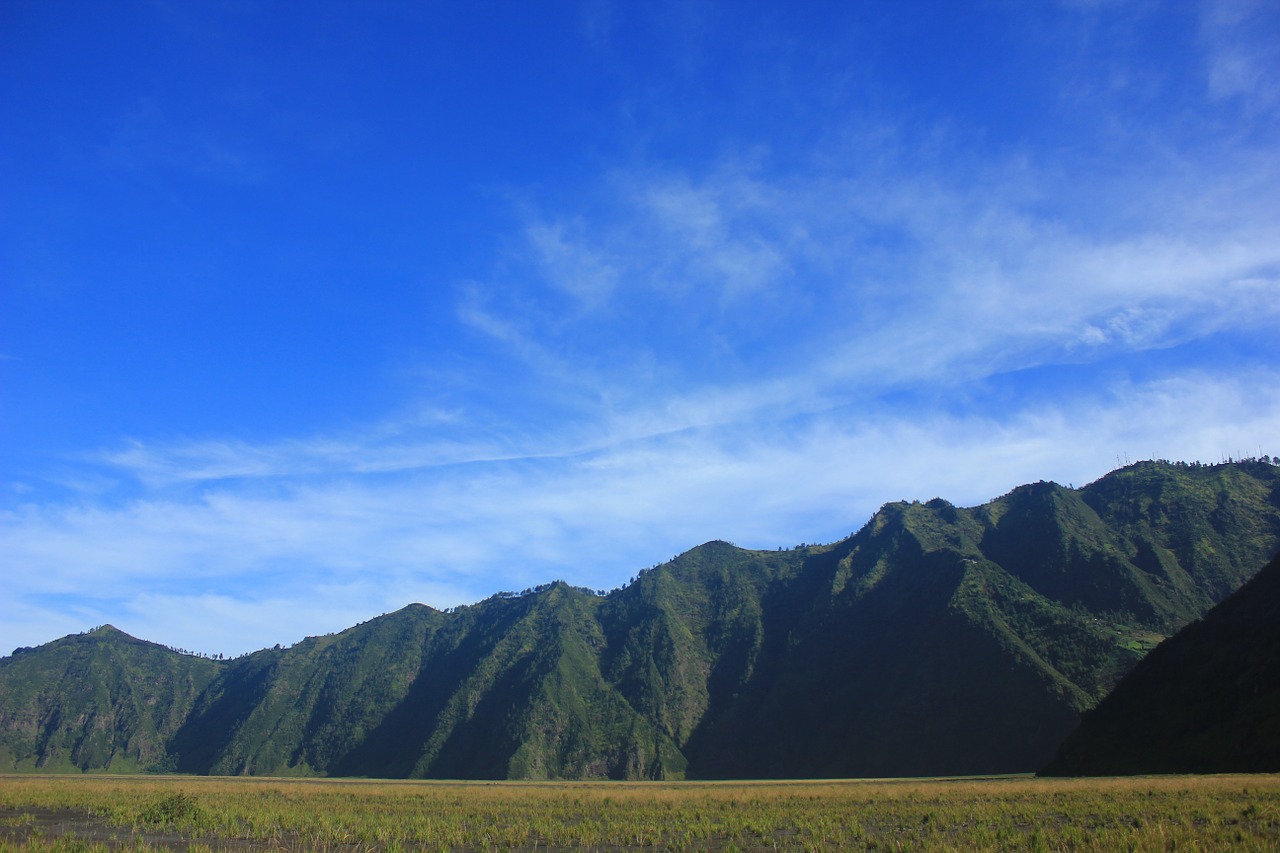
{"points": [[20, 826]]}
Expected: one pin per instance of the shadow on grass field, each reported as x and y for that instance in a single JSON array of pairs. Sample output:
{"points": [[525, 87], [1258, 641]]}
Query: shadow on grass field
{"points": [[89, 813]]}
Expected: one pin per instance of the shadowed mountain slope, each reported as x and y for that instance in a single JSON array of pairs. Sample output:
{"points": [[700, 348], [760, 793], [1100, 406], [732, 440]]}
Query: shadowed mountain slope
{"points": [[1207, 700], [935, 640]]}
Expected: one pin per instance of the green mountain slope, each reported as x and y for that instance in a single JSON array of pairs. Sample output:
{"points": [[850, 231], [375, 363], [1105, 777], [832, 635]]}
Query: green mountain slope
{"points": [[1205, 701], [96, 701], [907, 653], [509, 687], [935, 640], [941, 640]]}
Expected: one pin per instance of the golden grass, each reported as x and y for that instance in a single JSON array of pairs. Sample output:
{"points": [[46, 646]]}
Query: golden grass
{"points": [[200, 813]]}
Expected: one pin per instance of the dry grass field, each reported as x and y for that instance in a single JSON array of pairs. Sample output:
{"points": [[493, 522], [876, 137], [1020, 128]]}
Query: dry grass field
{"points": [[91, 813]]}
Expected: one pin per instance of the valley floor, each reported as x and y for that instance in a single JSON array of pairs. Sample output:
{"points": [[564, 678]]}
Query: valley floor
{"points": [[89, 813]]}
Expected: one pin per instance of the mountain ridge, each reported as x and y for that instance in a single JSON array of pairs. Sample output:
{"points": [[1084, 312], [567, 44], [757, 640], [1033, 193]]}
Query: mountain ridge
{"points": [[935, 640]]}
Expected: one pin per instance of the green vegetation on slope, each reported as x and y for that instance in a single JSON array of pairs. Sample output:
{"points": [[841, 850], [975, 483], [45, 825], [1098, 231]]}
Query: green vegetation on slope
{"points": [[1205, 701], [935, 640], [96, 701]]}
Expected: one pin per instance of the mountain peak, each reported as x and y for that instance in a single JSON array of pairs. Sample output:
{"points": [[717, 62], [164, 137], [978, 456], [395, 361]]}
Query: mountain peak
{"points": [[715, 546]]}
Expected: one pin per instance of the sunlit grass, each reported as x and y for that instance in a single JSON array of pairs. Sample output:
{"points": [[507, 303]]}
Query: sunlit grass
{"points": [[1144, 813]]}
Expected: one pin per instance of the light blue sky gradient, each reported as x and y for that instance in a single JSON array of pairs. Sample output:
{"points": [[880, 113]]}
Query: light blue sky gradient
{"points": [[311, 310]]}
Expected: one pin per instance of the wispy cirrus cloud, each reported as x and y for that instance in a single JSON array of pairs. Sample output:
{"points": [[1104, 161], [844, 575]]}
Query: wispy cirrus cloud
{"points": [[1243, 61], [456, 534], [884, 275]]}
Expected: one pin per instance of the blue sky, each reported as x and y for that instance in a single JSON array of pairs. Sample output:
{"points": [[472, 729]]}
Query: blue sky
{"points": [[311, 310]]}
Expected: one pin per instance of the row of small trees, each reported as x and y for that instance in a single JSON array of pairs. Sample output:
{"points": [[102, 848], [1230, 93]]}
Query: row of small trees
{"points": [[1264, 459]]}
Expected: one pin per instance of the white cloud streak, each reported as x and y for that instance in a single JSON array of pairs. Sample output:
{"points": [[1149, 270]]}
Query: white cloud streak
{"points": [[848, 283], [457, 535]]}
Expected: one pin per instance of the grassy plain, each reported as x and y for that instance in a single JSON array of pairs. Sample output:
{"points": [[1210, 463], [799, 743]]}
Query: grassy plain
{"points": [[90, 813]]}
